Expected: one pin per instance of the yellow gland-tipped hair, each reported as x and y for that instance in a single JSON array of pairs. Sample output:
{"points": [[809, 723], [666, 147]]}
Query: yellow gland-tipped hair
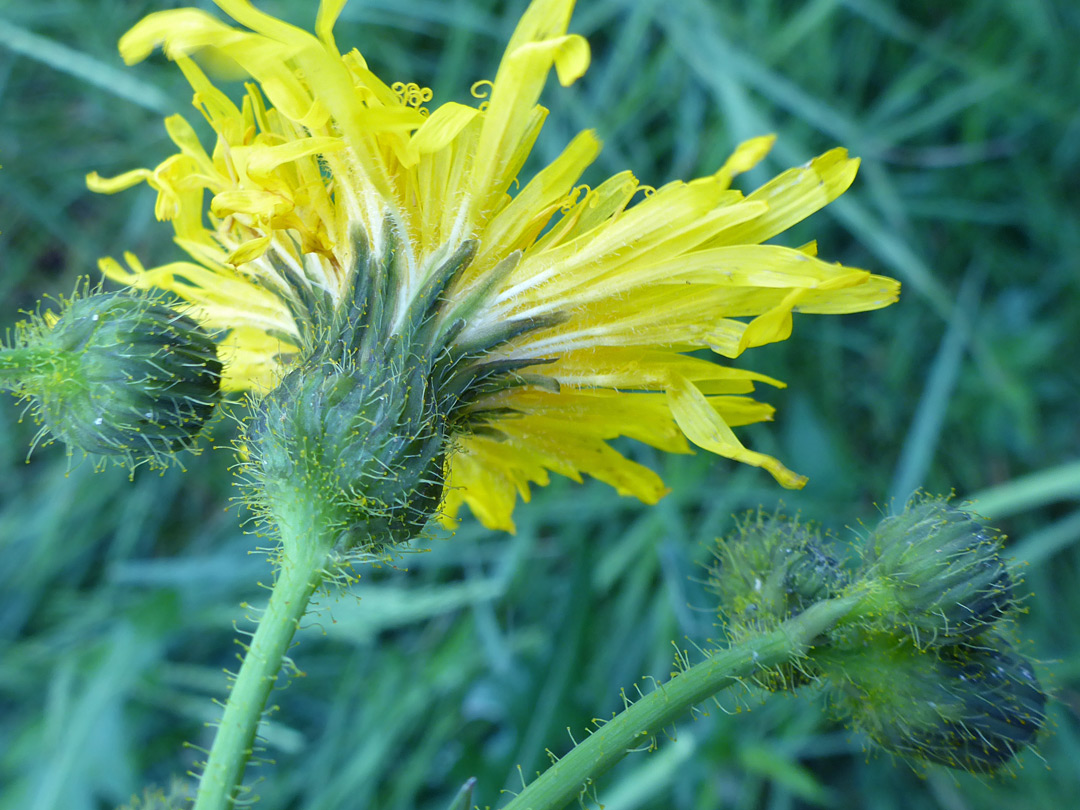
{"points": [[616, 283]]}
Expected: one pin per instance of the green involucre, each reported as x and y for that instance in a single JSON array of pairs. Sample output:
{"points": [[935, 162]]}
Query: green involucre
{"points": [[967, 706], [772, 567], [117, 374], [364, 421], [940, 571]]}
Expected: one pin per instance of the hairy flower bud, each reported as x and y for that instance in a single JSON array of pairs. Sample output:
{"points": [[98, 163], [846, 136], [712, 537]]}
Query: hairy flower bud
{"points": [[359, 431], [940, 570], [116, 374], [367, 442], [971, 707], [772, 568]]}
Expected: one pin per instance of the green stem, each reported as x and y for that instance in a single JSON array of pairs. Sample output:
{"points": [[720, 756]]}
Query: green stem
{"points": [[566, 780], [299, 574]]}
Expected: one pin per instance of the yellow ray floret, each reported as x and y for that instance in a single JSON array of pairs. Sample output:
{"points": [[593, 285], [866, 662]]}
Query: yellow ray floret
{"points": [[321, 160]]}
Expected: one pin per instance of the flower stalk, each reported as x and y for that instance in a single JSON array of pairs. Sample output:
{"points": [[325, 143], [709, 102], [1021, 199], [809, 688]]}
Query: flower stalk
{"points": [[306, 549], [568, 778]]}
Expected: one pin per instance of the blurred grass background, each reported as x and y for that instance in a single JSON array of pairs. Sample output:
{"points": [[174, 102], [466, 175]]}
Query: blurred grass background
{"points": [[117, 597]]}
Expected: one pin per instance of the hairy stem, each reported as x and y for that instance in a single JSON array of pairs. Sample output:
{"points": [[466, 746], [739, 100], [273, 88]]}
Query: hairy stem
{"points": [[567, 780], [300, 572]]}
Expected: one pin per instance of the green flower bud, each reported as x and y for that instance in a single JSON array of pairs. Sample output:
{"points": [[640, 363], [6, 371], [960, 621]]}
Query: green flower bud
{"points": [[116, 374], [356, 436], [770, 569], [965, 706], [368, 443], [940, 571]]}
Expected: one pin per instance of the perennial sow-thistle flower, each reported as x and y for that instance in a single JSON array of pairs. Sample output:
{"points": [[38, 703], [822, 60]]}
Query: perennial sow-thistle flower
{"points": [[350, 226]]}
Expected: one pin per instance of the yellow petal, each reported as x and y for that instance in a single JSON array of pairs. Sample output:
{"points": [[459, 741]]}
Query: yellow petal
{"points": [[184, 29], [592, 413], [538, 43], [257, 203], [705, 428], [598, 206], [648, 369], [569, 454], [249, 251], [531, 208], [329, 11], [265, 159], [876, 292], [771, 326], [792, 196], [439, 129], [112, 185], [746, 156], [250, 360]]}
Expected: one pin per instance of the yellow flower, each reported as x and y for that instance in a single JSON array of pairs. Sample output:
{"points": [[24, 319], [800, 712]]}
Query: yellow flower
{"points": [[589, 299]]}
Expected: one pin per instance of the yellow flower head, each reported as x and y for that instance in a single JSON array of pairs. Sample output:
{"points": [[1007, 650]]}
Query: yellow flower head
{"points": [[574, 307]]}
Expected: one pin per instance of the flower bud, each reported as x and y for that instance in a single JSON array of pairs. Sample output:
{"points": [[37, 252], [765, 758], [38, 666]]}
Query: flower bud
{"points": [[770, 569], [940, 571], [965, 706], [366, 443], [117, 374]]}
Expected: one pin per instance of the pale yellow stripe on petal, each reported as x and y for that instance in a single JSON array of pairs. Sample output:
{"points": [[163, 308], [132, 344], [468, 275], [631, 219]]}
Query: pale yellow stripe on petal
{"points": [[681, 317], [112, 185], [757, 266], [570, 265], [705, 428], [793, 196], [734, 266], [452, 168]]}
